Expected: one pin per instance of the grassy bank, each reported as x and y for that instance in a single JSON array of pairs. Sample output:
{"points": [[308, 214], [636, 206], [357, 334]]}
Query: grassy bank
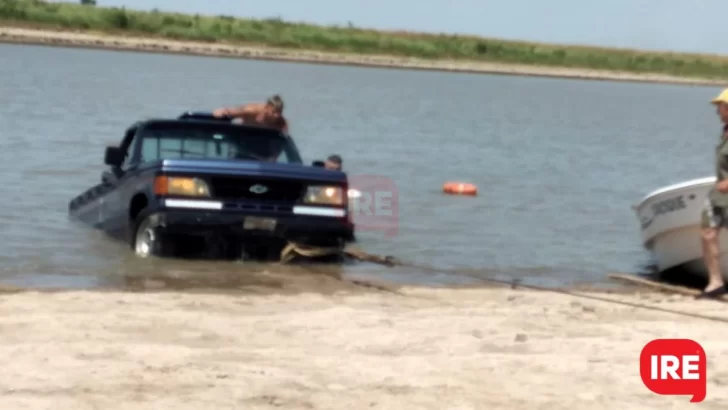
{"points": [[278, 33]]}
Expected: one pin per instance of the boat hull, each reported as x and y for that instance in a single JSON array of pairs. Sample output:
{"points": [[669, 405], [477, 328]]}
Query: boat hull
{"points": [[670, 227]]}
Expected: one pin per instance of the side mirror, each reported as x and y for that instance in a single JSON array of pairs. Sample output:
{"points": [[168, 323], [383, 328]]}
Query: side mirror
{"points": [[318, 164], [114, 156]]}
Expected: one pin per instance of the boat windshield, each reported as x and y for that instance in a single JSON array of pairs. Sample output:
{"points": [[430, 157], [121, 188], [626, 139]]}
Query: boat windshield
{"points": [[224, 141]]}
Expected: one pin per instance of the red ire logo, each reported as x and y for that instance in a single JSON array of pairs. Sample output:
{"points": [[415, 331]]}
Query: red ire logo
{"points": [[674, 367]]}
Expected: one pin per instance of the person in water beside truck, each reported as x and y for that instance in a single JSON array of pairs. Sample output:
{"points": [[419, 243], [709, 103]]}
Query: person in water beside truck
{"points": [[333, 162], [268, 114], [715, 216]]}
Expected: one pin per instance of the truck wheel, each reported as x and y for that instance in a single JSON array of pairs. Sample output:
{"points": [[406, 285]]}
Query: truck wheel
{"points": [[147, 240]]}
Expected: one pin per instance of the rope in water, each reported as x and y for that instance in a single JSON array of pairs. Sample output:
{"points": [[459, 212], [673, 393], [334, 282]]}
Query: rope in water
{"points": [[293, 249]]}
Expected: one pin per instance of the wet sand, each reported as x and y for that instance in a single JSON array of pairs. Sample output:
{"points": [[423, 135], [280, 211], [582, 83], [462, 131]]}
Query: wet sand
{"points": [[156, 45], [320, 343]]}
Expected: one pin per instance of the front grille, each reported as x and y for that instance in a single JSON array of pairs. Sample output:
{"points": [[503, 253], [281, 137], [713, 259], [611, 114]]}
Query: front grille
{"points": [[239, 188]]}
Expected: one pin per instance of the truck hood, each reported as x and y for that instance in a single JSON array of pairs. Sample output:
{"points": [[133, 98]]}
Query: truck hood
{"points": [[252, 168]]}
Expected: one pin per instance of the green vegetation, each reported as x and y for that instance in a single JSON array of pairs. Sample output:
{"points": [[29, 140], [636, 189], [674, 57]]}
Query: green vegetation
{"points": [[278, 33]]}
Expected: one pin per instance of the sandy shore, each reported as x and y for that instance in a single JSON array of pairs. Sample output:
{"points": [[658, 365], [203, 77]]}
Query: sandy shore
{"points": [[345, 347], [89, 40]]}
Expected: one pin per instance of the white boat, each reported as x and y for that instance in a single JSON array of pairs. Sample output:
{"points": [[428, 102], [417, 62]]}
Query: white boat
{"points": [[670, 223]]}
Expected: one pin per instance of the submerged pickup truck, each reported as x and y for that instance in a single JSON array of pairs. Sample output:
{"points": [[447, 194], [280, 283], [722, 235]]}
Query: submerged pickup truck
{"points": [[199, 185]]}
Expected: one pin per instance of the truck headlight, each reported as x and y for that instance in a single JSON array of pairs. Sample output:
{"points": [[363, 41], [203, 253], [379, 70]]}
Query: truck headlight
{"points": [[182, 186], [324, 195]]}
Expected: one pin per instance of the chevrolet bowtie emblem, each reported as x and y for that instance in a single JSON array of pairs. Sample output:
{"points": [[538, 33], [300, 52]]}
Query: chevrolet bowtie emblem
{"points": [[258, 189]]}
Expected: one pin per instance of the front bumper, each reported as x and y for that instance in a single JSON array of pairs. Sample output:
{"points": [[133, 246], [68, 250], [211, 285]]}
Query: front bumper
{"points": [[305, 224]]}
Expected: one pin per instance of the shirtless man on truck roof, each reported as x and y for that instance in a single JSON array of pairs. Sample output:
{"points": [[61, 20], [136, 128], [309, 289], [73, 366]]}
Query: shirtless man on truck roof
{"points": [[268, 114]]}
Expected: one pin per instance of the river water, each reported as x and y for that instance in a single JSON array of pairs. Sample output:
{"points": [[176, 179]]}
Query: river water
{"points": [[558, 163]]}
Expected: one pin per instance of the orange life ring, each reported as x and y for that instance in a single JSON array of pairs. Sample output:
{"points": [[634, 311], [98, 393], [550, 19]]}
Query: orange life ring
{"points": [[460, 188]]}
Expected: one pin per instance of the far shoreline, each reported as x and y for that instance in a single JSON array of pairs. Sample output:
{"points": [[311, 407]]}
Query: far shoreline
{"points": [[87, 40]]}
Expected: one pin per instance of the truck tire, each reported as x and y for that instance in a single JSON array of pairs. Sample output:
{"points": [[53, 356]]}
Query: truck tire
{"points": [[147, 239]]}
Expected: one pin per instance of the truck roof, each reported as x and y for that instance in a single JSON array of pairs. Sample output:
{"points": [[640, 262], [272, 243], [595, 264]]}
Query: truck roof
{"points": [[207, 118]]}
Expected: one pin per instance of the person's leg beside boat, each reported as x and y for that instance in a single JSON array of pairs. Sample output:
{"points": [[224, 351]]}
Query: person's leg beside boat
{"points": [[713, 219]]}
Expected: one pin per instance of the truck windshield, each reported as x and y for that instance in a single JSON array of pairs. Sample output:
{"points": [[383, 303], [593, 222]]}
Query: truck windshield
{"points": [[191, 141]]}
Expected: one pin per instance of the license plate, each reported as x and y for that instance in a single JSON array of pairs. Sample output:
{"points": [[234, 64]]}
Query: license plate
{"points": [[261, 224]]}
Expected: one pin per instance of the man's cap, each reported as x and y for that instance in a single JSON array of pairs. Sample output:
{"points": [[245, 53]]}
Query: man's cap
{"points": [[721, 98], [336, 159]]}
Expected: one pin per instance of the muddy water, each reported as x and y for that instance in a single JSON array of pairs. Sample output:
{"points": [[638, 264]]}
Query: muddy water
{"points": [[558, 162]]}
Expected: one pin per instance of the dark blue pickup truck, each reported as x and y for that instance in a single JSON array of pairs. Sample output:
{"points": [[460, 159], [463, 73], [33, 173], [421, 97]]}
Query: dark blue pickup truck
{"points": [[199, 185]]}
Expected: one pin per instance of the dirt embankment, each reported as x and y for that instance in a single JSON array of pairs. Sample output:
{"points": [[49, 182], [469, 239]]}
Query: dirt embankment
{"points": [[87, 40]]}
